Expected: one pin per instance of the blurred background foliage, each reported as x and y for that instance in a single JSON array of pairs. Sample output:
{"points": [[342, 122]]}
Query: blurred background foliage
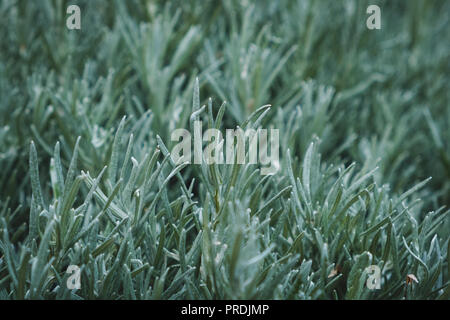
{"points": [[387, 98]]}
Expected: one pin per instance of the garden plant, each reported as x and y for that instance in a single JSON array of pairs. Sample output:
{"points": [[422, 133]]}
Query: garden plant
{"points": [[87, 176]]}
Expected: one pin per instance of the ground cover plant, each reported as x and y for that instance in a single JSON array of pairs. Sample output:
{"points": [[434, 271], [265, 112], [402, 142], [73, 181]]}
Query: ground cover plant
{"points": [[87, 178]]}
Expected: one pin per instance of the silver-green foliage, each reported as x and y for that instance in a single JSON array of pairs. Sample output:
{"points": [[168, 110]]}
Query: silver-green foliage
{"points": [[363, 119], [241, 237]]}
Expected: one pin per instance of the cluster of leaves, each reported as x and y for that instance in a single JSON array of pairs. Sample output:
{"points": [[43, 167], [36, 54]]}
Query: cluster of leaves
{"points": [[363, 122]]}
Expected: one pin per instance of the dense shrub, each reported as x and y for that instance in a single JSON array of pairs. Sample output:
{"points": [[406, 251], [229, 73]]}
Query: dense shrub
{"points": [[86, 177]]}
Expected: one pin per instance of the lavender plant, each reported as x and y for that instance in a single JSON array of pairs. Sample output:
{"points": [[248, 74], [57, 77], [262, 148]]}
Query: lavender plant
{"points": [[88, 179]]}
